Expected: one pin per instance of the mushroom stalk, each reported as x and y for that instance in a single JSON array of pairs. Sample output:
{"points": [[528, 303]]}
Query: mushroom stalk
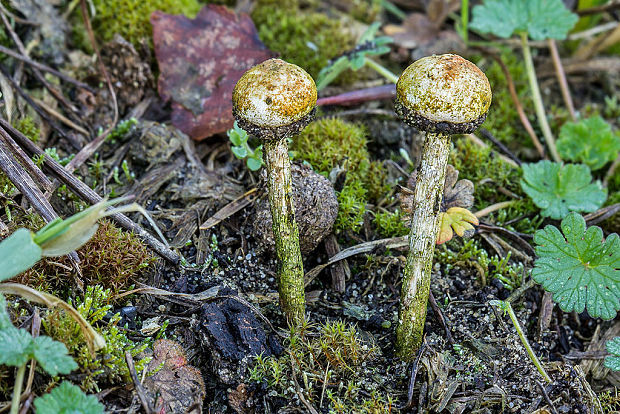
{"points": [[427, 198], [286, 235], [442, 95]]}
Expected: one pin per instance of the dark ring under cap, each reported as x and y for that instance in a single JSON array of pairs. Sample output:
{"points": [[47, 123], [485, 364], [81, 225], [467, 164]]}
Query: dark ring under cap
{"points": [[281, 132], [422, 123]]}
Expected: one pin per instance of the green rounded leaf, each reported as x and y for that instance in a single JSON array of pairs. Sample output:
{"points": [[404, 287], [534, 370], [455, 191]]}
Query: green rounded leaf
{"points": [[613, 347], [579, 268], [239, 152], [53, 356], [16, 345], [559, 189], [590, 141], [541, 19], [18, 253], [67, 399]]}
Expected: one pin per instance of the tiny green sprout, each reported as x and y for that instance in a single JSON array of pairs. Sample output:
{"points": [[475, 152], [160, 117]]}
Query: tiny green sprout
{"points": [[507, 308], [242, 150], [368, 45]]}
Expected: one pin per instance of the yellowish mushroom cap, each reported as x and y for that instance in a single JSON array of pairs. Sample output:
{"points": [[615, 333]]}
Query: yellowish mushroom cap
{"points": [[443, 93], [274, 94]]}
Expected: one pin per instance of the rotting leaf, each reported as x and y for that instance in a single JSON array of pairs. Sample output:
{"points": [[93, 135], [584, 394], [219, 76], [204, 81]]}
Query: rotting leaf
{"points": [[200, 61], [177, 386], [458, 197]]}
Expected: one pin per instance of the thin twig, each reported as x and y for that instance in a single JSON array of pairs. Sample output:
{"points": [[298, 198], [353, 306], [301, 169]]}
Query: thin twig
{"points": [[44, 68], [612, 5], [61, 117], [612, 169], [37, 109], [515, 99], [412, 377], [148, 409], [37, 73], [89, 149], [441, 317], [546, 397], [559, 71], [34, 171], [485, 133], [86, 193], [300, 394]]}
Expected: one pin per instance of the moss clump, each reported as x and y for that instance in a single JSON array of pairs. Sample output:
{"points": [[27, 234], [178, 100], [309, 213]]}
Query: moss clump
{"points": [[27, 126], [486, 170], [129, 18], [305, 38], [391, 224], [494, 179], [330, 145], [461, 253], [108, 366], [112, 258], [337, 354]]}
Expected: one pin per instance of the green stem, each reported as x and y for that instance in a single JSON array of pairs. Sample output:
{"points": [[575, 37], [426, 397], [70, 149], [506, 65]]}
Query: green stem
{"points": [[464, 19], [525, 342], [538, 102], [17, 389], [382, 71], [415, 288], [286, 235]]}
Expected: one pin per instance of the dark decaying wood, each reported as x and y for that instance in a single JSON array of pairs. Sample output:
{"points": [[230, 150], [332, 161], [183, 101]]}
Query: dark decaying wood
{"points": [[340, 270]]}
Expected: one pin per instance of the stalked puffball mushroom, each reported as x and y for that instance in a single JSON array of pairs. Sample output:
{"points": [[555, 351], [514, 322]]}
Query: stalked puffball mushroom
{"points": [[273, 101], [442, 95]]}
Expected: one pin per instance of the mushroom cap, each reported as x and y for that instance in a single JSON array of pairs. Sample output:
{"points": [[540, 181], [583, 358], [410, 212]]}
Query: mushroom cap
{"points": [[443, 93], [272, 96]]}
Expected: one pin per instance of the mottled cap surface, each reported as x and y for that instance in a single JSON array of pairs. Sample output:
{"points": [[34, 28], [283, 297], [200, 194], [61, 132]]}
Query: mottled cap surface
{"points": [[274, 94], [443, 93]]}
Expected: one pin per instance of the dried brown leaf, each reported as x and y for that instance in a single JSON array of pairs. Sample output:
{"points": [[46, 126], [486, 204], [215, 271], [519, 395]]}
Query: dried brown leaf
{"points": [[456, 193], [200, 61], [178, 387]]}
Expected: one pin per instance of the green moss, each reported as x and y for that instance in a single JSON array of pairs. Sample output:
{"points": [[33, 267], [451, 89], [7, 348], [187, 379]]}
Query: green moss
{"points": [[108, 367], [27, 126], [333, 144], [335, 353], [112, 258], [486, 170], [305, 38], [463, 253], [129, 18], [391, 224]]}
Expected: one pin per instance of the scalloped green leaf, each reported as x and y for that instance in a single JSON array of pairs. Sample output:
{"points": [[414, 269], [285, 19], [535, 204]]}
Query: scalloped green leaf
{"points": [[559, 189], [67, 398], [16, 345], [579, 268], [613, 347], [541, 19], [53, 356], [590, 141]]}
